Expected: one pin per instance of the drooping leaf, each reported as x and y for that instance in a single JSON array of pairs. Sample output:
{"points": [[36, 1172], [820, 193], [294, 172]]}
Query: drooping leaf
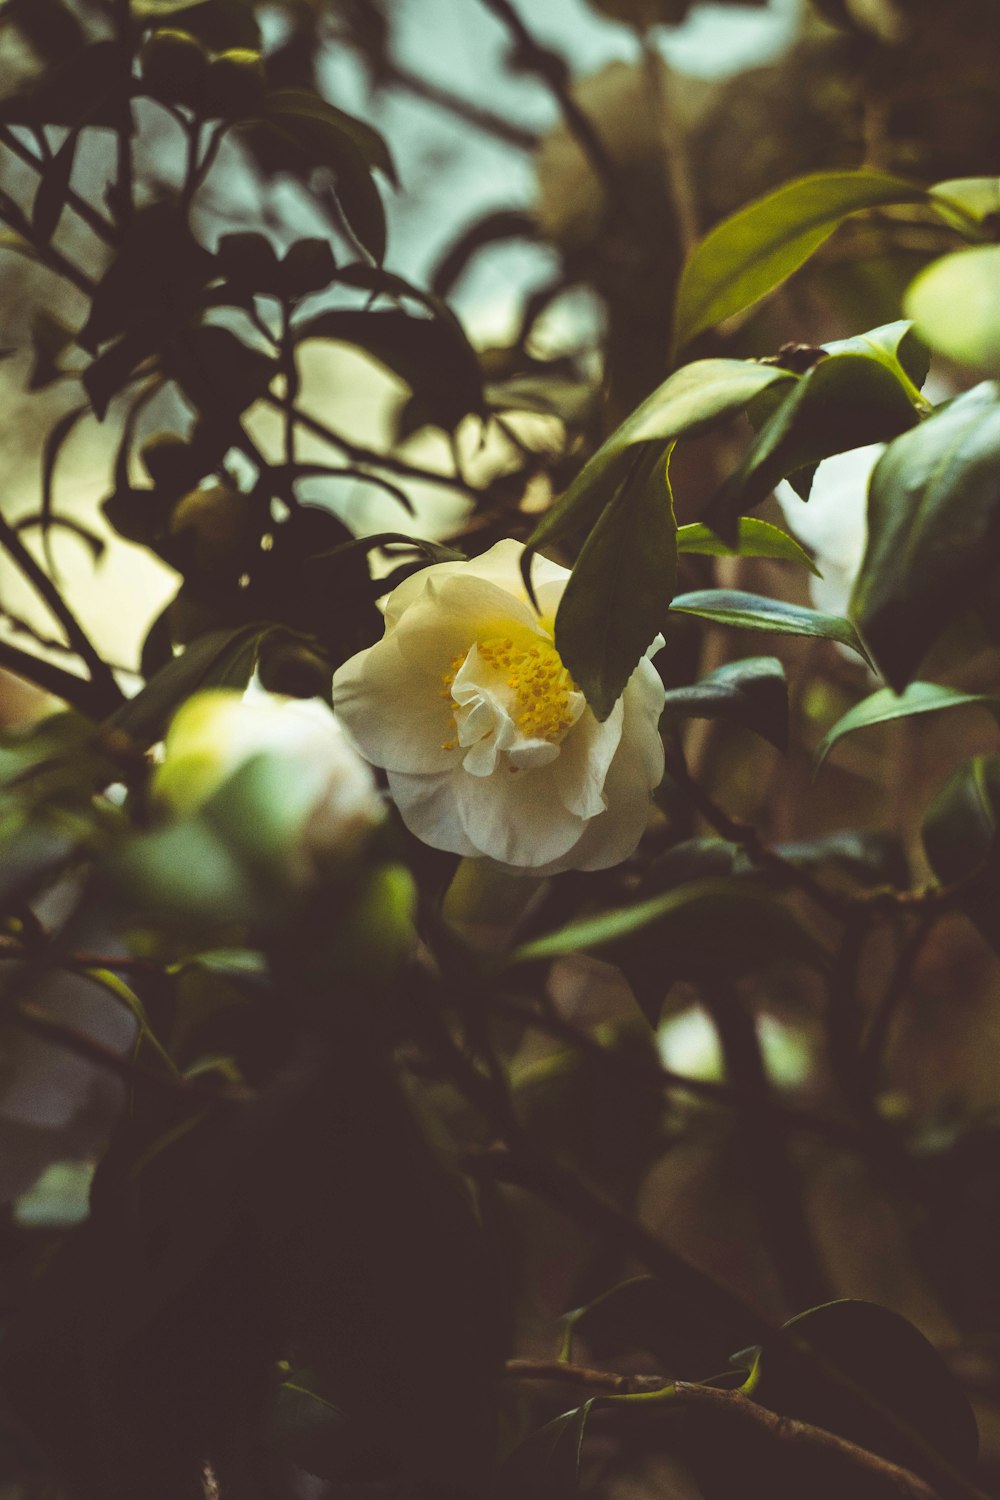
{"points": [[886, 1359], [886, 705], [756, 538], [752, 693], [975, 198], [327, 137], [753, 251], [221, 658], [847, 400], [756, 612], [960, 837], [692, 399], [955, 305], [687, 921], [50, 196], [932, 508], [618, 594], [547, 1465], [437, 363]]}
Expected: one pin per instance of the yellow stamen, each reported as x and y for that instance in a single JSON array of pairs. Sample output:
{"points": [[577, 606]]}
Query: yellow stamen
{"points": [[534, 673]]}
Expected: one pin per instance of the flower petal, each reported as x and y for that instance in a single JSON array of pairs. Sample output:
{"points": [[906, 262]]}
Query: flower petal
{"points": [[516, 817], [429, 808], [587, 753], [393, 711]]}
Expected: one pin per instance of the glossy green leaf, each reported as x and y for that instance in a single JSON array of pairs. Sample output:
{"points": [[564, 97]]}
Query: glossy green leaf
{"points": [[886, 705], [955, 306], [932, 508], [691, 400], [847, 400], [755, 612], [755, 538], [753, 251], [752, 693], [618, 594], [919, 1403]]}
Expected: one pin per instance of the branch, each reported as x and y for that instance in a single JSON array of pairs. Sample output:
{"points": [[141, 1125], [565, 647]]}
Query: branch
{"points": [[729, 1410], [561, 1373], [464, 109], [107, 692], [94, 221], [554, 73]]}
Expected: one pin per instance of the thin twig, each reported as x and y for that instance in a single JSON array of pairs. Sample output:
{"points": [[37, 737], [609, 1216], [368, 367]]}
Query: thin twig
{"points": [[561, 1373], [94, 220], [101, 676], [552, 69]]}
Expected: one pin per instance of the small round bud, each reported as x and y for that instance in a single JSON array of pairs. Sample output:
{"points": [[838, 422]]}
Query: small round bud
{"points": [[173, 66]]}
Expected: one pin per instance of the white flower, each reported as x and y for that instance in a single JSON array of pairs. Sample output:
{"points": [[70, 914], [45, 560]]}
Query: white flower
{"points": [[327, 794], [489, 745]]}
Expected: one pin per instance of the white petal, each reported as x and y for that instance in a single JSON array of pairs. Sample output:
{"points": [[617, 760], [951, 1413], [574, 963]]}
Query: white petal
{"points": [[587, 752], [429, 808], [516, 817], [393, 710]]}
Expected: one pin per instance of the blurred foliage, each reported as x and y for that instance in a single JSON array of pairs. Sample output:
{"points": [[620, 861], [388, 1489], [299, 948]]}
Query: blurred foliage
{"points": [[338, 1168]]}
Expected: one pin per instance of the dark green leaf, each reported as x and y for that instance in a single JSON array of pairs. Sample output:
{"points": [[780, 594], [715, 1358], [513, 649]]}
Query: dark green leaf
{"points": [[221, 658], [885, 705], [547, 1465], [922, 1403], [955, 306], [79, 89], [755, 538], [749, 254], [688, 920], [50, 197], [434, 359], [689, 401], [218, 24], [845, 401], [755, 612], [752, 692], [960, 836], [932, 512], [618, 594]]}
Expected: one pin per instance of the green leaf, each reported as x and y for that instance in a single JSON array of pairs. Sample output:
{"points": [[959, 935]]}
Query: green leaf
{"points": [[115, 985], [755, 612], [955, 306], [547, 1465], [220, 658], [885, 705], [617, 596], [50, 197], [327, 137], [976, 198], [753, 251], [960, 836], [689, 401], [847, 400], [918, 1401], [688, 920], [932, 508], [431, 355], [752, 692], [218, 24], [756, 538]]}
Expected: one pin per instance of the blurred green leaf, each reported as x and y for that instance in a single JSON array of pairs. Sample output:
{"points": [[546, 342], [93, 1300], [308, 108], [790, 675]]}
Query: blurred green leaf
{"points": [[617, 596], [753, 251], [752, 692], [977, 198], [932, 508], [759, 930], [756, 538], [917, 1400], [220, 658], [885, 705], [50, 195], [960, 837], [547, 1465], [755, 612], [218, 24], [955, 306]]}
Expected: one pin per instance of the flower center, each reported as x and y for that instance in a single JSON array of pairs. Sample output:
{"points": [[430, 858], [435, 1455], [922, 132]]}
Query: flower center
{"points": [[524, 681]]}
